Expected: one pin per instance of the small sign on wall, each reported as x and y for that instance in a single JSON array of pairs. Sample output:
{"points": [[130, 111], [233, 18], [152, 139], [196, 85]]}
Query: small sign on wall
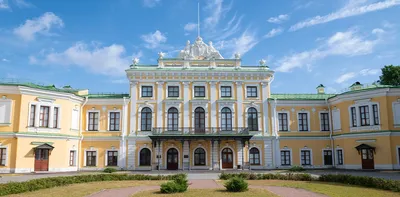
{"points": [[185, 156]]}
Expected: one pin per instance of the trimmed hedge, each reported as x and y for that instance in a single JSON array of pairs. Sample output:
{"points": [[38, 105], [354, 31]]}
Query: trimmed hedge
{"points": [[363, 181], [109, 170], [178, 185], [296, 169], [37, 184], [236, 184]]}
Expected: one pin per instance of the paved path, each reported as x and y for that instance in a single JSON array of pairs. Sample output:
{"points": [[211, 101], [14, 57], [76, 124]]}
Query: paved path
{"points": [[206, 184]]}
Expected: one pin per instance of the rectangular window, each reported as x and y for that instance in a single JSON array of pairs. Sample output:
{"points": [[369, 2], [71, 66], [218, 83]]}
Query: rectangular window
{"points": [[112, 158], [376, 114], [305, 157], [147, 91], [285, 158], [327, 157], [340, 157], [303, 122], [251, 91], [353, 117], [324, 122], [173, 91], [91, 158], [3, 156], [226, 91], [93, 124], [114, 121], [72, 158], [55, 118], [32, 116], [199, 91], [283, 121], [364, 115], [44, 116]]}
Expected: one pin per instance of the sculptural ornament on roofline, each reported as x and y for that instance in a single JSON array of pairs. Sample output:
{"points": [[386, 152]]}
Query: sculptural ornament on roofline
{"points": [[199, 51]]}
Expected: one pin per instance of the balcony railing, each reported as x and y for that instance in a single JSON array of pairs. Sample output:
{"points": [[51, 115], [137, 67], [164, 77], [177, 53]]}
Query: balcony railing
{"points": [[200, 131]]}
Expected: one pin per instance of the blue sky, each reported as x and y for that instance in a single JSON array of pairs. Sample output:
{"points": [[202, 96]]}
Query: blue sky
{"points": [[89, 44]]}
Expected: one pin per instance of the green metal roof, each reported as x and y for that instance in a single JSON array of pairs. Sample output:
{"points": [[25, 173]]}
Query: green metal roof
{"points": [[301, 96], [67, 89], [108, 95]]}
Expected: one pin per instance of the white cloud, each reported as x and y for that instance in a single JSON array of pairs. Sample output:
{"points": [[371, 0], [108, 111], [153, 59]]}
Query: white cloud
{"points": [[350, 75], [106, 60], [139, 54], [4, 4], [154, 40], [347, 43], [5, 60], [22, 4], [189, 27], [119, 81], [151, 3], [353, 8], [11, 76], [369, 71], [241, 44], [274, 32], [279, 19], [346, 77], [41, 25], [216, 10]]}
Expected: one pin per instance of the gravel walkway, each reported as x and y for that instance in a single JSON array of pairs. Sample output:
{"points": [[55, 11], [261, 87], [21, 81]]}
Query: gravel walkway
{"points": [[206, 184]]}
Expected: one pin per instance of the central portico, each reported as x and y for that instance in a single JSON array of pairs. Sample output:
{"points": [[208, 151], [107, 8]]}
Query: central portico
{"points": [[200, 111]]}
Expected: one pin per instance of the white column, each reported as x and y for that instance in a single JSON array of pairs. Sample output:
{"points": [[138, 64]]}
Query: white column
{"points": [[277, 153], [239, 90], [239, 148], [213, 97], [268, 154], [133, 115], [159, 103], [186, 151], [37, 115], [265, 106], [216, 156], [186, 105], [131, 154], [122, 144]]}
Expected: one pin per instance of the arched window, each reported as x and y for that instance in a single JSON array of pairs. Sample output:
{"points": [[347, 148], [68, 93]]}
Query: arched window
{"points": [[199, 120], [146, 119], [199, 157], [172, 119], [252, 119], [226, 119], [145, 157], [254, 156]]}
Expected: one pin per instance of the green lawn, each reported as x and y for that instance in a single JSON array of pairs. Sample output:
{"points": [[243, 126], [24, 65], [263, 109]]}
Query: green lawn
{"points": [[329, 189], [209, 193]]}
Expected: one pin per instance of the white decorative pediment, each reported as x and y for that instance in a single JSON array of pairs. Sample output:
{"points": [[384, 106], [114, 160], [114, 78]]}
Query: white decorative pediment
{"points": [[45, 100], [199, 51]]}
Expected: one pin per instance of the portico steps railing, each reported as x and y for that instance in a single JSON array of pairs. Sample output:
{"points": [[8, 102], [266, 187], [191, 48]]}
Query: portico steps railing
{"points": [[200, 131]]}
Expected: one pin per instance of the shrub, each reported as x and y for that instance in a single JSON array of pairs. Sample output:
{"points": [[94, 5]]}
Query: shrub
{"points": [[296, 169], [109, 170], [178, 185], [236, 184], [37, 184]]}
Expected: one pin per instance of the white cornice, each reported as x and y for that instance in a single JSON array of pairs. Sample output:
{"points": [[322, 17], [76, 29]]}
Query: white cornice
{"points": [[98, 101], [51, 94], [359, 95], [10, 89], [298, 102]]}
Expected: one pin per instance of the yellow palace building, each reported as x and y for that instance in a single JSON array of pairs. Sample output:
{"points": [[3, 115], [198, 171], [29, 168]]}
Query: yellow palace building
{"points": [[198, 111]]}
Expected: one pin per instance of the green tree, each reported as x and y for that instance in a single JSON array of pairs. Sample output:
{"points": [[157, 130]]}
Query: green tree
{"points": [[390, 75]]}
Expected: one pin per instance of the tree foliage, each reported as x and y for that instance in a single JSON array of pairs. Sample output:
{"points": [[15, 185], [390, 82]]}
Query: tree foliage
{"points": [[390, 75]]}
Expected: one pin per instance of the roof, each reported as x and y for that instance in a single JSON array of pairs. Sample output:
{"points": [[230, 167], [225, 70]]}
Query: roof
{"points": [[203, 69], [13, 82], [108, 95], [301, 96]]}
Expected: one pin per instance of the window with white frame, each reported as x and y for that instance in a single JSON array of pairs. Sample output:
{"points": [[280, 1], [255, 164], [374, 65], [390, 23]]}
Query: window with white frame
{"points": [[114, 121], [91, 158], [226, 91], [327, 157], [375, 113], [3, 156], [252, 119], [93, 121], [339, 154], [199, 91], [285, 158], [112, 158], [72, 156], [324, 119], [147, 91], [146, 119], [32, 117], [5, 111], [303, 121], [44, 115], [353, 116], [173, 117], [305, 157], [252, 91], [254, 156], [173, 91], [396, 113], [55, 117], [364, 114], [283, 121]]}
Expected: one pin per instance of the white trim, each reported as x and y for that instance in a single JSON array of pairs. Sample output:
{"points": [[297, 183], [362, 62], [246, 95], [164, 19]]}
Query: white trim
{"points": [[291, 157], [320, 123], [97, 157], [311, 157], [246, 115], [205, 90], [108, 120], [7, 154], [151, 155], [108, 101], [258, 91], [168, 107], [323, 157], [371, 126], [205, 107], [173, 84], [106, 157], [139, 114], [228, 84], [51, 106], [77, 120], [231, 107], [233, 154], [308, 121], [8, 103], [166, 156], [75, 157], [152, 89], [87, 120], [396, 124], [336, 121], [260, 153], [206, 158], [288, 119]]}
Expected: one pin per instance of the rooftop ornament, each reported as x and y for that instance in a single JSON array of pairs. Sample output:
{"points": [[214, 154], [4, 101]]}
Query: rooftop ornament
{"points": [[237, 55], [135, 62], [161, 55]]}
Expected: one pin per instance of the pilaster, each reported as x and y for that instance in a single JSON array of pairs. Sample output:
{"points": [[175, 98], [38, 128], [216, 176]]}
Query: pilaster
{"points": [[213, 97], [186, 105], [264, 89], [239, 90], [160, 86], [133, 114], [131, 154]]}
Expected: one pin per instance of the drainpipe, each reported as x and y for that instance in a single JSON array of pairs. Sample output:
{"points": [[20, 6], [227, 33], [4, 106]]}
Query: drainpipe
{"points": [[331, 133], [80, 132]]}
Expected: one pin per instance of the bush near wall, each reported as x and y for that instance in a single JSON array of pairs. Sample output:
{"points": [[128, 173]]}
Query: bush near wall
{"points": [[364, 181], [178, 185], [37, 184]]}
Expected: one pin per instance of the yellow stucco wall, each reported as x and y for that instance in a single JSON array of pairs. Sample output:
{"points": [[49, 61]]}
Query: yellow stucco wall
{"points": [[101, 147]]}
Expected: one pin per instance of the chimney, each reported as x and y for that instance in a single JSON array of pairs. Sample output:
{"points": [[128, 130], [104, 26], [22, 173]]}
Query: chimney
{"points": [[321, 89], [356, 86]]}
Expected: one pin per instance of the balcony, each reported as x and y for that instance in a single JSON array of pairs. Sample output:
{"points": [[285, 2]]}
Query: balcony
{"points": [[187, 133]]}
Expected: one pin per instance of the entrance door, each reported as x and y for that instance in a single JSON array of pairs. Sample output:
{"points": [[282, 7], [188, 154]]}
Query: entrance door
{"points": [[367, 158], [172, 159], [199, 120], [41, 159], [227, 158], [327, 157]]}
